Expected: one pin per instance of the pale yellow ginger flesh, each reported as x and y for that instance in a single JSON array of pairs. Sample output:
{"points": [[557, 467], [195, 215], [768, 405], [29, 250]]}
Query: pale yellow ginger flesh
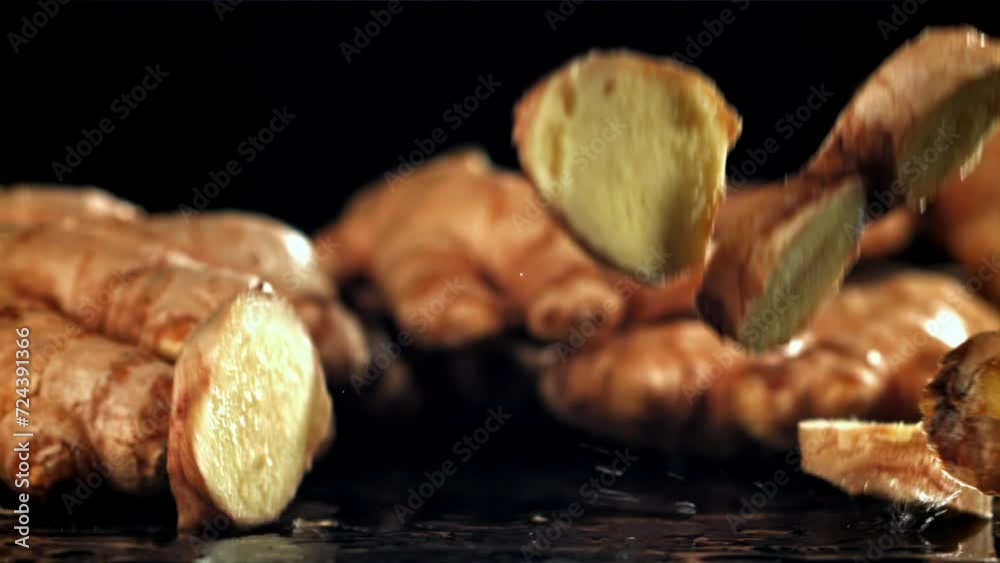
{"points": [[630, 151], [891, 461], [251, 412]]}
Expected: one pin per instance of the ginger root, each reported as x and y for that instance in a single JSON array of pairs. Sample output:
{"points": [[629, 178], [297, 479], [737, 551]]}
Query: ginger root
{"points": [[961, 409], [889, 461], [456, 222], [247, 388], [461, 250], [676, 385], [242, 241], [131, 291], [804, 234], [630, 151], [108, 402], [260, 246]]}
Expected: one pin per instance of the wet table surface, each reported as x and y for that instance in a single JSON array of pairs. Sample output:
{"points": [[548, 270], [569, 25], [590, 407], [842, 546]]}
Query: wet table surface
{"points": [[525, 496]]}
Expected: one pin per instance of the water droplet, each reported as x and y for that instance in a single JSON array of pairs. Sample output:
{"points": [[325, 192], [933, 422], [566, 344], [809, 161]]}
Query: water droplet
{"points": [[686, 508]]}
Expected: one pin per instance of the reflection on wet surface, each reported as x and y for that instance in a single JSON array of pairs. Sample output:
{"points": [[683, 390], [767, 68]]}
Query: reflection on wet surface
{"points": [[659, 508]]}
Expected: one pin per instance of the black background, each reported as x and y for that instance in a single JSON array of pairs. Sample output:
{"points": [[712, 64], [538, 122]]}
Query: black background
{"points": [[354, 120]]}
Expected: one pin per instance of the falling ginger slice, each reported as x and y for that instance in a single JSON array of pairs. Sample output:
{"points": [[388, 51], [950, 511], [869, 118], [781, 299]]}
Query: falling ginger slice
{"points": [[630, 150], [891, 461], [961, 409], [920, 119]]}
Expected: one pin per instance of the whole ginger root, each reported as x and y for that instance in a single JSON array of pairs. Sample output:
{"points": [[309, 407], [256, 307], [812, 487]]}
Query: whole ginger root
{"points": [[461, 250], [264, 247], [249, 408], [868, 353], [246, 242]]}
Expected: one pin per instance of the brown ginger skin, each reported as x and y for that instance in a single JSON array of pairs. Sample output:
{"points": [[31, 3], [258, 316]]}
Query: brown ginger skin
{"points": [[96, 404], [135, 292], [264, 247], [246, 242], [676, 385], [961, 409]]}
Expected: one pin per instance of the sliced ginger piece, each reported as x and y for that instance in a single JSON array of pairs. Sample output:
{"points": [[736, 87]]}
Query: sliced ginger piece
{"points": [[630, 151], [922, 116], [961, 409], [793, 239], [920, 119], [891, 461], [250, 413]]}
